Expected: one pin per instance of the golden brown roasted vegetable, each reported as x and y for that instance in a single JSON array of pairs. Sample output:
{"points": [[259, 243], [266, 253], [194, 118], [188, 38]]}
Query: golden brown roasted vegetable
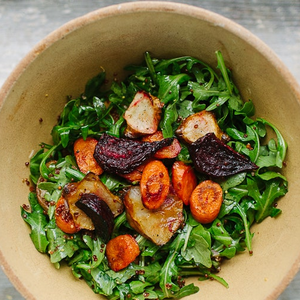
{"points": [[184, 180], [198, 125], [84, 151], [121, 251], [91, 183], [155, 184], [159, 225], [63, 218], [136, 175], [100, 214], [206, 201], [143, 115]]}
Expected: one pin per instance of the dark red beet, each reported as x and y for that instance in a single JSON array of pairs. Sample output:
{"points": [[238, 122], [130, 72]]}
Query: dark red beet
{"points": [[214, 158], [99, 212], [122, 156]]}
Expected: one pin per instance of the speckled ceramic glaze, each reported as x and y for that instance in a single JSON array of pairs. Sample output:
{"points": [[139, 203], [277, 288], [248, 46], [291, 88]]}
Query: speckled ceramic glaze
{"points": [[111, 38]]}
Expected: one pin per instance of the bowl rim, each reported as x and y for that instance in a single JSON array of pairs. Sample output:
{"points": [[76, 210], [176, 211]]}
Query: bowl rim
{"points": [[142, 6]]}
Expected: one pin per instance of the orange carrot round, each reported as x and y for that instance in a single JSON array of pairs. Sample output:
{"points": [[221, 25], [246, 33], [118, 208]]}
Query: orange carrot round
{"points": [[166, 152], [206, 201], [121, 251], [155, 184], [184, 180], [84, 155], [63, 218], [136, 174]]}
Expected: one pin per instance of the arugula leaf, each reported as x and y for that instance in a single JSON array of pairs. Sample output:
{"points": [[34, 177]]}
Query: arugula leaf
{"points": [[151, 68], [220, 234], [224, 71], [61, 245], [198, 248], [249, 136], [38, 222], [271, 175], [243, 214], [274, 188], [113, 183], [282, 145], [59, 174], [99, 107], [115, 129], [248, 109], [103, 280], [169, 87], [185, 108], [92, 86], [138, 287], [217, 102], [34, 166], [202, 92], [187, 290], [168, 272], [98, 249], [169, 118], [232, 181]]}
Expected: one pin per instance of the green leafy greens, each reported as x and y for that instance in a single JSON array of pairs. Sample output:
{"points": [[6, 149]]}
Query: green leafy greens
{"points": [[185, 85]]}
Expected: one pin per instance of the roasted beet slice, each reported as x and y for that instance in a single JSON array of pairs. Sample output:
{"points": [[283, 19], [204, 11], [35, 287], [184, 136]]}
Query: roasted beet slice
{"points": [[214, 158], [100, 214], [122, 156]]}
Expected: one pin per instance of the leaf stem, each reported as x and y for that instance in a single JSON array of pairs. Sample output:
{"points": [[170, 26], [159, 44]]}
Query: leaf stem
{"points": [[223, 69], [151, 68]]}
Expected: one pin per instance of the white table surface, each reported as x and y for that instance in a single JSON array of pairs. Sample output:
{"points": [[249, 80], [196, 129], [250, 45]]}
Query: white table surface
{"points": [[23, 23]]}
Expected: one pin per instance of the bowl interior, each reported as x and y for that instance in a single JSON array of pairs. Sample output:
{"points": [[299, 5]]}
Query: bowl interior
{"points": [[111, 38]]}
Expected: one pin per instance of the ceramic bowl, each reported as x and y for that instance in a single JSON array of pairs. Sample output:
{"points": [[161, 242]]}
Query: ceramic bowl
{"points": [[113, 37]]}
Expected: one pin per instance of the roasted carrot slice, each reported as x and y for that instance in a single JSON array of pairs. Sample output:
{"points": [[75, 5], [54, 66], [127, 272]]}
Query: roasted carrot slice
{"points": [[121, 251], [206, 201], [155, 184], [63, 218], [184, 180], [84, 154], [166, 152], [135, 175]]}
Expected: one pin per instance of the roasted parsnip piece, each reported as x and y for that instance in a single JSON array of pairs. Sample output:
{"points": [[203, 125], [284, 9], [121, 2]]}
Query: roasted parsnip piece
{"points": [[198, 125], [143, 115]]}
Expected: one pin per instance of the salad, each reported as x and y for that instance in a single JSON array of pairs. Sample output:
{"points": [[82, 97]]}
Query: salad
{"points": [[154, 179]]}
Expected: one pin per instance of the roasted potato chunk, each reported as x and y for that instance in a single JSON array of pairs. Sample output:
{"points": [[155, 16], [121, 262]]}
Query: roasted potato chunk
{"points": [[93, 185], [158, 225]]}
